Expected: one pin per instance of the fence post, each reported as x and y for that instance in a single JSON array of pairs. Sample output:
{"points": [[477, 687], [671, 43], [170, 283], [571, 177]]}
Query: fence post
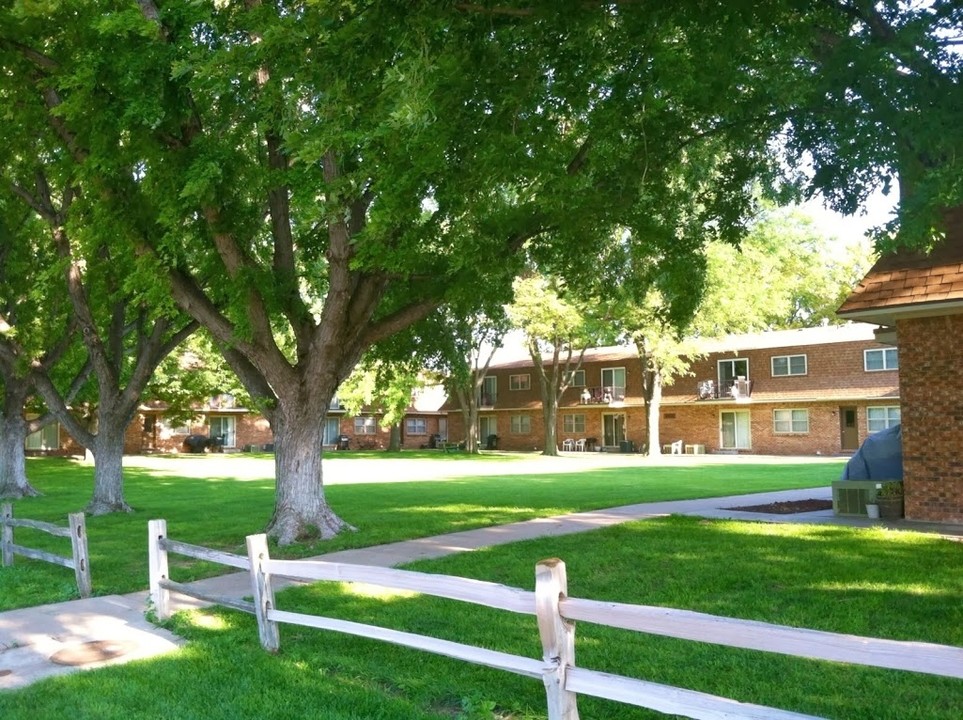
{"points": [[6, 538], [157, 568], [78, 544], [558, 638], [257, 553]]}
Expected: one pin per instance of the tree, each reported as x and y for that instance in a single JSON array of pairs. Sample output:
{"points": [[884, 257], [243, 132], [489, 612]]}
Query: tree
{"points": [[387, 387], [463, 356], [556, 324], [882, 108], [277, 160], [37, 336]]}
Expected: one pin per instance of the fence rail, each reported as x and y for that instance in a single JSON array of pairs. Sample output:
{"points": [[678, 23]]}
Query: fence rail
{"points": [[555, 614], [79, 561]]}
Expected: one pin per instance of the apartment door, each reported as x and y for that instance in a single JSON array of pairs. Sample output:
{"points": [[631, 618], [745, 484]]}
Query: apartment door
{"points": [[613, 429], [332, 429], [848, 429], [224, 427], [734, 430], [487, 425]]}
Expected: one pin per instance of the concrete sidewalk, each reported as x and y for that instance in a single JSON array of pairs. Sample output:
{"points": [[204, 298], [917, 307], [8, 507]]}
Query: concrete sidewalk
{"points": [[55, 639]]}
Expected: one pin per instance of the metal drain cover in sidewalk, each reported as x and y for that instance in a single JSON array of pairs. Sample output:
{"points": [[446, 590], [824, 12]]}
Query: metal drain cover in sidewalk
{"points": [[91, 652]]}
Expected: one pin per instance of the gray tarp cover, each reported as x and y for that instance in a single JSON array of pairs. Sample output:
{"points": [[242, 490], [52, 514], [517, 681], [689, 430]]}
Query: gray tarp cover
{"points": [[880, 457]]}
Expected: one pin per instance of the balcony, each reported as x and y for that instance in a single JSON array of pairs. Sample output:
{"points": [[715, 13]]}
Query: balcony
{"points": [[604, 395], [487, 400], [739, 390]]}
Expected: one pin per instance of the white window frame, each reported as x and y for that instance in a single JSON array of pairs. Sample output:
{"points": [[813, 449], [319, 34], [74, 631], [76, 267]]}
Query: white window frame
{"points": [[576, 378], [891, 416], [790, 421], [491, 425], [365, 425], [885, 353], [489, 388], [520, 424], [522, 381], [46, 438], [573, 423], [732, 363], [746, 443], [789, 365], [416, 426], [613, 371], [229, 433]]}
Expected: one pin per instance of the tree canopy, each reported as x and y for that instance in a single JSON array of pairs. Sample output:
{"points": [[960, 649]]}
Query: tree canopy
{"points": [[307, 179]]}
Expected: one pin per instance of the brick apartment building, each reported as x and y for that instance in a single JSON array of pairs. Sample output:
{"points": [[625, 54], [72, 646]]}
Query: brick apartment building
{"points": [[811, 391], [918, 298], [242, 429]]}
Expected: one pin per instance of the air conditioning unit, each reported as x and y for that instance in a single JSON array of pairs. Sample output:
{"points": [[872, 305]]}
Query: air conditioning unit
{"points": [[850, 497]]}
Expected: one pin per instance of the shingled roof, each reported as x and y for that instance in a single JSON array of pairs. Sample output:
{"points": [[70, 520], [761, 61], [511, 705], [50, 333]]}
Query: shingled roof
{"points": [[911, 281]]}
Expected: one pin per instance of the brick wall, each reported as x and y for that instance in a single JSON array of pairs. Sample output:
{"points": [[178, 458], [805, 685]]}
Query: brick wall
{"points": [[932, 417]]}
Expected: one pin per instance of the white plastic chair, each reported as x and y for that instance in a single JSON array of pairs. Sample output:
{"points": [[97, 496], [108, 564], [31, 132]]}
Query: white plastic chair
{"points": [[568, 444], [580, 445]]}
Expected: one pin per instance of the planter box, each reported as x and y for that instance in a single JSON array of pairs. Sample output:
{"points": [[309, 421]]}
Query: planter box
{"points": [[890, 508]]}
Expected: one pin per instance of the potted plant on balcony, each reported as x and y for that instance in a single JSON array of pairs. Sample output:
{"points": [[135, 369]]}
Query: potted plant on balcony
{"points": [[889, 497]]}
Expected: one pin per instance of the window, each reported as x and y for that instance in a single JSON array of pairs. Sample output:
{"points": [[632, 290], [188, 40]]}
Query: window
{"points": [[783, 365], [521, 424], [881, 359], [573, 423], [734, 430], [880, 418], [613, 378], [576, 378], [416, 426], [790, 421], [729, 370], [520, 382], [47, 438], [489, 392], [365, 426]]}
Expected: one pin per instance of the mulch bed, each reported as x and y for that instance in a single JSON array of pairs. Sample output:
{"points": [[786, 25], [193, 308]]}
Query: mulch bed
{"points": [[789, 507]]}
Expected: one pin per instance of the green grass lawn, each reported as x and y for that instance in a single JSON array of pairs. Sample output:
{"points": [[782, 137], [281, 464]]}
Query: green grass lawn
{"points": [[898, 585], [207, 505]]}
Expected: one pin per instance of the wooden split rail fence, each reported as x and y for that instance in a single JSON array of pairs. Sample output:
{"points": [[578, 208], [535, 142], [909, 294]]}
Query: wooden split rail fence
{"points": [[555, 614], [79, 561]]}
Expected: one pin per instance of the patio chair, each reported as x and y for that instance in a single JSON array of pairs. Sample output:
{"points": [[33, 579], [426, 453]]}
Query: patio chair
{"points": [[568, 444]]}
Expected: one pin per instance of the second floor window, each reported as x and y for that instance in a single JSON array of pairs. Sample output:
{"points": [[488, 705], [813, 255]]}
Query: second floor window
{"points": [[489, 391], [576, 378], [783, 365], [520, 382], [881, 359], [613, 378]]}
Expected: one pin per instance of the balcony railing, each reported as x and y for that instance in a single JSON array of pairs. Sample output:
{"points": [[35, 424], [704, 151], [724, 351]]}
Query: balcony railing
{"points": [[738, 389], [603, 395], [487, 400]]}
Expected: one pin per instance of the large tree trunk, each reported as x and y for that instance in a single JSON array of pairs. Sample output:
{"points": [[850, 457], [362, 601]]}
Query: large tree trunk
{"points": [[550, 418], [301, 510], [653, 402], [13, 435], [394, 438], [108, 450]]}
